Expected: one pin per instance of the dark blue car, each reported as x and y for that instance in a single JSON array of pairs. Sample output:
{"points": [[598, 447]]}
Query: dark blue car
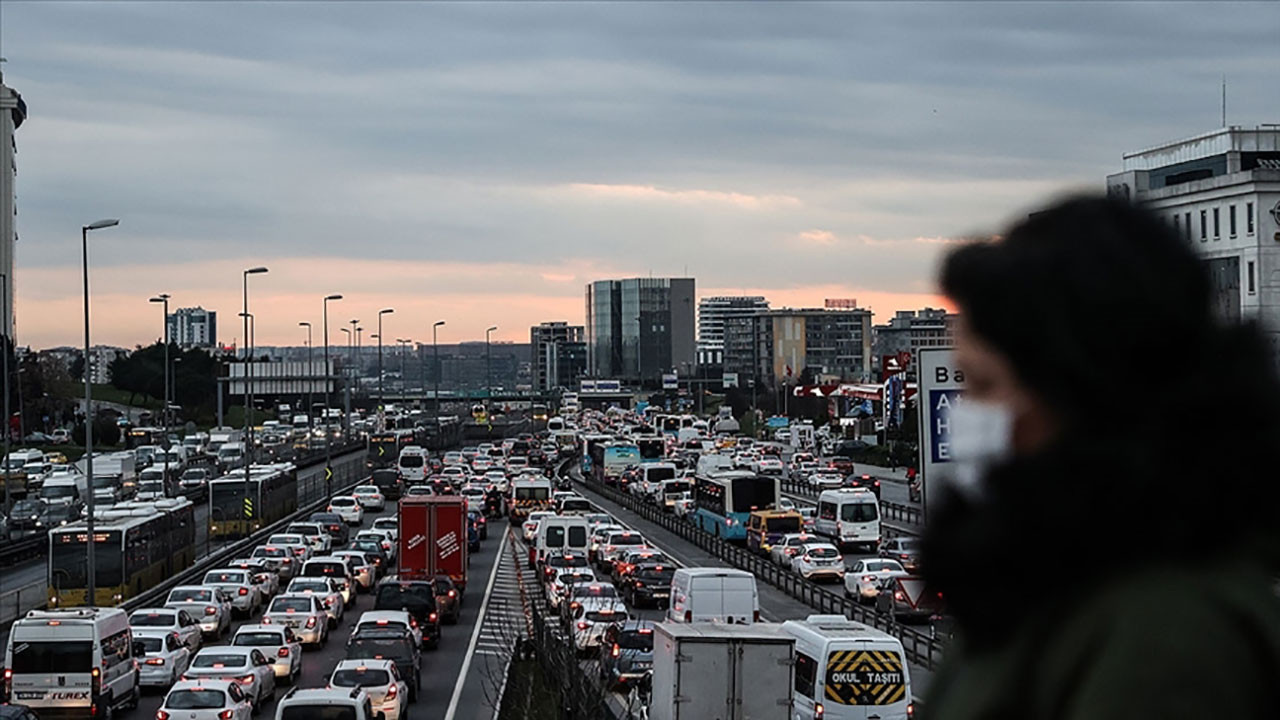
{"points": [[626, 655]]}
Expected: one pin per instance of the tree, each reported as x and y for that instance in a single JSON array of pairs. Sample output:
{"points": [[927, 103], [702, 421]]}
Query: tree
{"points": [[105, 431]]}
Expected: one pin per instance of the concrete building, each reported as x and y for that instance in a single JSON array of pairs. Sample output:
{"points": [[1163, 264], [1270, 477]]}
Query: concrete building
{"points": [[639, 328], [1220, 191], [777, 346], [910, 330], [712, 312], [558, 355], [193, 327], [13, 111]]}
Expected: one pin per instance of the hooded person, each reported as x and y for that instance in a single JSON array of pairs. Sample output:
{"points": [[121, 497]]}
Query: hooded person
{"points": [[1107, 543]]}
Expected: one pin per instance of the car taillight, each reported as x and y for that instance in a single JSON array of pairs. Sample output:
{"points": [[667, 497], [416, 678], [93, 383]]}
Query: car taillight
{"points": [[244, 591], [688, 616], [582, 626], [226, 714], [868, 578], [210, 610], [95, 680], [246, 680], [328, 602], [162, 715], [897, 595], [818, 711], [282, 652], [616, 650], [155, 661], [311, 622], [453, 593], [433, 617], [391, 691]]}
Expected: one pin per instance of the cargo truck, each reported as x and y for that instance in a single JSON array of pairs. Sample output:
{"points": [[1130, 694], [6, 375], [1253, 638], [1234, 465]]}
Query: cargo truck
{"points": [[433, 538], [730, 672]]}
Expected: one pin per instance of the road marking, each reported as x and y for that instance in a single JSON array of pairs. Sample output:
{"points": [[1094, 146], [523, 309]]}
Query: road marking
{"points": [[475, 634]]}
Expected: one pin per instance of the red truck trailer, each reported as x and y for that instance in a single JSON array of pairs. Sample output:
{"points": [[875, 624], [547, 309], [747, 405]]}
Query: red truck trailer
{"points": [[433, 537]]}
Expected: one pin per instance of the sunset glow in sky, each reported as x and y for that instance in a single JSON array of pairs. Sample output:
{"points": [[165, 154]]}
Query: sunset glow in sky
{"points": [[480, 163]]}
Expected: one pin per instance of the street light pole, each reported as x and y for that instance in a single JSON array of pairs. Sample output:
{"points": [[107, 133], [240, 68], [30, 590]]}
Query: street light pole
{"points": [[163, 298], [328, 445], [8, 433], [248, 510], [381, 397], [91, 584], [346, 385], [311, 371], [435, 349], [488, 376]]}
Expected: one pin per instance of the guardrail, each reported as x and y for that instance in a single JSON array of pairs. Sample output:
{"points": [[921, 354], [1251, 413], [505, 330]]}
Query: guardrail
{"points": [[15, 603], [920, 647]]}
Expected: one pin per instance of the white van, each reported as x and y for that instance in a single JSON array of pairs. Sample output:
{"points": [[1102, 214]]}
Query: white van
{"points": [[72, 661], [845, 670], [412, 464], [561, 532], [713, 595], [231, 455], [65, 487], [849, 516], [651, 477]]}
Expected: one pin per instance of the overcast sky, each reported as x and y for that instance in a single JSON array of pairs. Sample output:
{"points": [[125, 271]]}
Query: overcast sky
{"points": [[479, 163]]}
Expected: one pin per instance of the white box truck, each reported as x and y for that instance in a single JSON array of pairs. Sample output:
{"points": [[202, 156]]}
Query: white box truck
{"points": [[729, 672]]}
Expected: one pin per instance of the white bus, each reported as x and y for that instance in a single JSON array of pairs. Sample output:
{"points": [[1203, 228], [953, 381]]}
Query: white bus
{"points": [[72, 662]]}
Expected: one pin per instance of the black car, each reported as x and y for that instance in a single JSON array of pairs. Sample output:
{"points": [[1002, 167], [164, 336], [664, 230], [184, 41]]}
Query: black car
{"points": [[387, 643], [863, 481], [416, 597], [374, 548], [626, 655], [649, 583], [334, 524], [389, 483], [17, 712]]}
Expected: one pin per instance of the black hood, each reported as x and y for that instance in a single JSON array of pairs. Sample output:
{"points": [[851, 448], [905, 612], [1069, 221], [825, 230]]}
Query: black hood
{"points": [[1044, 530]]}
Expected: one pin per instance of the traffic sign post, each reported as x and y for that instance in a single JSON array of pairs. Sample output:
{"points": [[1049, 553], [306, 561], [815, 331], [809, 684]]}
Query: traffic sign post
{"points": [[941, 385]]}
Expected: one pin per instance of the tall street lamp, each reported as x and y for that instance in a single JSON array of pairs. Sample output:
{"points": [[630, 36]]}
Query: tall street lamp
{"points": [[328, 449], [384, 311], [8, 433], [163, 299], [435, 349], [488, 378], [310, 377], [351, 372], [249, 506], [346, 384], [91, 584]]}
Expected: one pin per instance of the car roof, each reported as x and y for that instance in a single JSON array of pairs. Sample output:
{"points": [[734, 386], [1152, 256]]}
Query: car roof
{"points": [[375, 615], [383, 664], [226, 650], [258, 628], [173, 611], [208, 683]]}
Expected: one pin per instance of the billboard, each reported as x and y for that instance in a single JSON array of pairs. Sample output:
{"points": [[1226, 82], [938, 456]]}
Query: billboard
{"points": [[941, 385], [670, 381], [730, 380]]}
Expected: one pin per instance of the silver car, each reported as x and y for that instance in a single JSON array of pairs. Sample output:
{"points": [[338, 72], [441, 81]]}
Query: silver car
{"points": [[244, 665], [209, 606], [279, 643], [303, 613], [327, 590], [246, 598]]}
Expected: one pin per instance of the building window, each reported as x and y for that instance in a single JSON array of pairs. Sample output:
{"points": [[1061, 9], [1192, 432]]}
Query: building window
{"points": [[1186, 222], [1204, 225], [1177, 225], [1252, 289], [1248, 218], [1231, 220], [1217, 225]]}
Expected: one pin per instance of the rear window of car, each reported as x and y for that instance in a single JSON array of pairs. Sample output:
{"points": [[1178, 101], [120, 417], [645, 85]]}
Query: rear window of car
{"points": [[595, 591], [606, 616], [149, 644], [224, 577], [287, 604], [212, 660], [823, 552], [191, 596], [343, 501], [152, 619], [665, 574], [318, 712], [258, 639], [636, 640], [361, 677], [325, 569], [194, 700], [51, 657], [370, 647], [396, 596], [625, 539]]}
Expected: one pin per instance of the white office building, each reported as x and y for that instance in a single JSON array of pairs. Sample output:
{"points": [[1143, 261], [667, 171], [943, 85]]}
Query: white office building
{"points": [[712, 312], [193, 327], [1220, 191], [12, 112]]}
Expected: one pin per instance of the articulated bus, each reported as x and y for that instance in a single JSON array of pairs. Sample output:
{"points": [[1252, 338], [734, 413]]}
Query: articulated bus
{"points": [[385, 447], [273, 494], [726, 499], [137, 545], [593, 452], [539, 412]]}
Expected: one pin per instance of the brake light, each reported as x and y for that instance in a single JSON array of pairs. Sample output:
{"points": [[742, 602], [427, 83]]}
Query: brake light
{"points": [[226, 715], [210, 610], [282, 652], [868, 578], [391, 691], [911, 710], [162, 715], [818, 711], [95, 678], [433, 617], [582, 626], [453, 593], [155, 661], [246, 680], [244, 591], [616, 651], [328, 602], [688, 616], [897, 595], [311, 622]]}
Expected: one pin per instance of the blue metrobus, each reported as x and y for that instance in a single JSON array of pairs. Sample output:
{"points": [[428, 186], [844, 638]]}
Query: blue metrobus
{"points": [[724, 500], [618, 456]]}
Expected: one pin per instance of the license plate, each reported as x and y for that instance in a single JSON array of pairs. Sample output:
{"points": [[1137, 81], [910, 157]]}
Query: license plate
{"points": [[30, 695], [643, 665], [662, 594]]}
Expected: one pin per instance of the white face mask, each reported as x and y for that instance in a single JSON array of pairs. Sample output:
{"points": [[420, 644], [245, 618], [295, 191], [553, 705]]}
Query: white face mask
{"points": [[981, 436]]}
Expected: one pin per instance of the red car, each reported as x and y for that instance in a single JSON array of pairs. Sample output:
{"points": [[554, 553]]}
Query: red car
{"points": [[842, 464]]}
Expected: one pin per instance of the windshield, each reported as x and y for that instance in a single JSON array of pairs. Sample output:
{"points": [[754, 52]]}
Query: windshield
{"points": [[194, 700], [636, 640], [361, 677], [533, 493], [27, 507], [212, 660], [258, 639], [104, 481], [859, 512], [56, 492], [152, 620], [411, 461], [290, 605], [758, 493], [181, 595], [52, 657], [786, 524]]}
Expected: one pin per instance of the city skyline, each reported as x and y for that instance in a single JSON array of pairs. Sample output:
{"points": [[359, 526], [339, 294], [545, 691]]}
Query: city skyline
{"points": [[488, 162]]}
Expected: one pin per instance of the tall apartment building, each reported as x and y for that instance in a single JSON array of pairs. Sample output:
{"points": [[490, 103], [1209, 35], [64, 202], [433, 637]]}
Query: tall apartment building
{"points": [[639, 328], [777, 346], [193, 327], [1220, 191], [557, 355], [910, 330], [13, 110], [712, 312]]}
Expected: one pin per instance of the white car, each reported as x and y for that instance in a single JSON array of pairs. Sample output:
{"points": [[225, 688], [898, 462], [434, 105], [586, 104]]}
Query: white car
{"points": [[205, 700], [530, 526], [278, 559], [243, 665], [279, 643], [361, 569], [786, 503], [825, 480], [347, 508], [801, 471], [369, 497], [173, 620], [335, 568], [789, 546], [389, 545], [164, 657], [380, 679], [474, 496], [267, 580], [210, 607], [394, 619], [819, 560], [389, 525], [862, 582], [238, 585], [320, 539], [324, 588], [769, 466], [303, 613], [298, 545], [592, 617], [559, 584]]}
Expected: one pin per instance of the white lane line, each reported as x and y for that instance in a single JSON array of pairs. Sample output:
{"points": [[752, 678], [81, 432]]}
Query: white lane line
{"points": [[475, 634]]}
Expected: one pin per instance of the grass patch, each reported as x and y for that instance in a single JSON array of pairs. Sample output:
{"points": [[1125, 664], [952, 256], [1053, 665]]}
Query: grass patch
{"points": [[113, 394]]}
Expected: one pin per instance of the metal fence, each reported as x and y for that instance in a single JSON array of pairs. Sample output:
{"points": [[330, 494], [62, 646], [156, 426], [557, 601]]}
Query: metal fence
{"points": [[15, 603], [920, 647]]}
